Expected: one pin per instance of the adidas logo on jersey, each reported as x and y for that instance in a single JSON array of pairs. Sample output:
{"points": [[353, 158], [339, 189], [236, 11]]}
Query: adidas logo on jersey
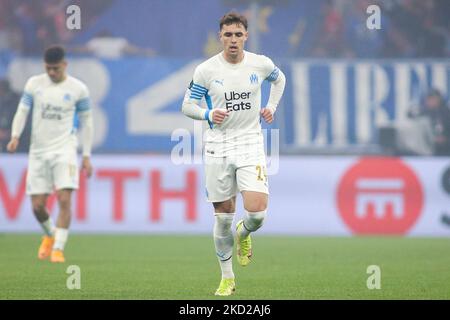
{"points": [[232, 96]]}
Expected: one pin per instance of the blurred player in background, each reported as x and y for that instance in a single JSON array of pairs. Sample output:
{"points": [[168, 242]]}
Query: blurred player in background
{"points": [[58, 103], [235, 161]]}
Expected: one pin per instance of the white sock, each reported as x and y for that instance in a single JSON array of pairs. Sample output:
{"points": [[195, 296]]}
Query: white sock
{"points": [[224, 241], [252, 222], [60, 238], [48, 227]]}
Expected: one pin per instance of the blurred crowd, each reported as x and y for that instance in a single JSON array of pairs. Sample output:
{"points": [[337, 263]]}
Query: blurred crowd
{"points": [[27, 27], [8, 104], [409, 29]]}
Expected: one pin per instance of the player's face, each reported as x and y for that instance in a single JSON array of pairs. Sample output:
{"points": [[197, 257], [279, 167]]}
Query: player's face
{"points": [[233, 39], [56, 71]]}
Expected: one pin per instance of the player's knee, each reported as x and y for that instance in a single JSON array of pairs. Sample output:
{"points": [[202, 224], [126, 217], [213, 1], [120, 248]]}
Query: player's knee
{"points": [[38, 207], [255, 219], [225, 206], [257, 205]]}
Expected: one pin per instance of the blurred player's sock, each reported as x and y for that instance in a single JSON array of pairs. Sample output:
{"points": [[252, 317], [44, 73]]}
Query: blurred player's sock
{"points": [[48, 227], [252, 222], [61, 235], [224, 241]]}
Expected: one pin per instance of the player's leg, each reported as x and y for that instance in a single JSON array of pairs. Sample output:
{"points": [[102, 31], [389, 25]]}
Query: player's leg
{"points": [[224, 213], [65, 173], [62, 224], [255, 205], [221, 190], [253, 184], [38, 203], [39, 186]]}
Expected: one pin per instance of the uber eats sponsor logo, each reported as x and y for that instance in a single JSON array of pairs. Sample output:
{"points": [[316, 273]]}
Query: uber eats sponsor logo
{"points": [[236, 101]]}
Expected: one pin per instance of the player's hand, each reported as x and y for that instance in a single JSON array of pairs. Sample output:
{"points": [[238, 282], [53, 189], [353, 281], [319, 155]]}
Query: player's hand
{"points": [[267, 115], [86, 166], [12, 145], [218, 115]]}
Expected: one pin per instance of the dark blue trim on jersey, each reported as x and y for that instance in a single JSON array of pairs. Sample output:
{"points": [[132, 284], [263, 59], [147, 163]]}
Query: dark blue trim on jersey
{"points": [[83, 105], [197, 91], [273, 75], [210, 107], [27, 99]]}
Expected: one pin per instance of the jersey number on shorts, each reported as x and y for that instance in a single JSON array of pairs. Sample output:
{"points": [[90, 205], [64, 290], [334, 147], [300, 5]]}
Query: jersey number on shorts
{"points": [[262, 175]]}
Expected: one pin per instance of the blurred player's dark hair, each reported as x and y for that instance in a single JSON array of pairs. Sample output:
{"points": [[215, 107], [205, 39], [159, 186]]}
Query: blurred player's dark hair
{"points": [[54, 54], [233, 18]]}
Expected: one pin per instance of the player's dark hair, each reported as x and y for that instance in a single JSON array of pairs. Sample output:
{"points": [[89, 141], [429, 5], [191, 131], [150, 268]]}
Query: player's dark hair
{"points": [[54, 54], [233, 18]]}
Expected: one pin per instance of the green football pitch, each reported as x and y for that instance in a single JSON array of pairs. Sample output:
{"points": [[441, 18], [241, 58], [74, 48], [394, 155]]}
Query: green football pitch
{"points": [[185, 267]]}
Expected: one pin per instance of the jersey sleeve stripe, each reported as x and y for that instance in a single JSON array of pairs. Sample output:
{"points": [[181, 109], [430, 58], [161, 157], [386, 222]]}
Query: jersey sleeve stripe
{"points": [[195, 96], [197, 86], [274, 75], [83, 105], [198, 91], [27, 99]]}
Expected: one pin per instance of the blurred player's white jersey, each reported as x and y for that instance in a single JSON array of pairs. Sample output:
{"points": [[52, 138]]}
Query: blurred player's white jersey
{"points": [[237, 88], [54, 107]]}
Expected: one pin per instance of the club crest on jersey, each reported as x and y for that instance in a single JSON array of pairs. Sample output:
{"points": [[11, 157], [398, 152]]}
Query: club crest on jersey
{"points": [[67, 97], [253, 78]]}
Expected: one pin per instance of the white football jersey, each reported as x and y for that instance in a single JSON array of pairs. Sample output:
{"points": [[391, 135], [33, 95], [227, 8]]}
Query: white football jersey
{"points": [[237, 88], [54, 109]]}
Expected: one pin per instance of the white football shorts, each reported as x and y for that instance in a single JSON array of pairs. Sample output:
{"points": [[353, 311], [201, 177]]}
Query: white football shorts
{"points": [[225, 176], [52, 171]]}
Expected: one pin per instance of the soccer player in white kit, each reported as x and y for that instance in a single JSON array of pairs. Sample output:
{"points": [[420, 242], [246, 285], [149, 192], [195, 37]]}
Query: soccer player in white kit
{"points": [[234, 155], [58, 103]]}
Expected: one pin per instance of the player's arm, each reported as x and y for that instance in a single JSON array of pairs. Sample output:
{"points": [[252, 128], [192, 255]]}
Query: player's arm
{"points": [[192, 98], [83, 107], [20, 118], [278, 82]]}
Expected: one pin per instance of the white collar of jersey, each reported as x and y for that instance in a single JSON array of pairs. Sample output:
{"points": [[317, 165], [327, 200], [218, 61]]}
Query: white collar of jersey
{"points": [[232, 65], [57, 83]]}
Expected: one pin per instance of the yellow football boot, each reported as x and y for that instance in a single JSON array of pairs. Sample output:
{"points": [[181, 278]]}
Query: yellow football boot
{"points": [[243, 246], [226, 288]]}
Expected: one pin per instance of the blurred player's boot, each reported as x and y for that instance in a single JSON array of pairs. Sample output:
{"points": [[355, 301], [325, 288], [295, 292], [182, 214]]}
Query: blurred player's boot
{"points": [[46, 247], [57, 256], [227, 287], [243, 246]]}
